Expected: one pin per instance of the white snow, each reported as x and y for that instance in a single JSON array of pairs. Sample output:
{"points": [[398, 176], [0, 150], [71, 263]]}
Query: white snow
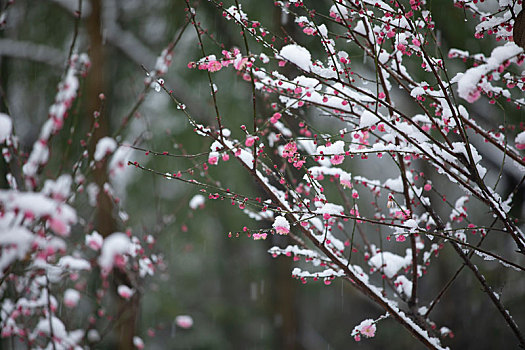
{"points": [[387, 262], [467, 82], [368, 119], [94, 240], [281, 224], [394, 184], [15, 242], [295, 250], [184, 321], [403, 285], [330, 208], [6, 127], [298, 273], [93, 336], [163, 62], [125, 292], [412, 224], [105, 146], [138, 342], [60, 188], [71, 297], [520, 138], [115, 244], [66, 339], [92, 192], [237, 13], [298, 55], [145, 267], [67, 92], [338, 147], [70, 263], [197, 201], [37, 205], [39, 156], [117, 165]]}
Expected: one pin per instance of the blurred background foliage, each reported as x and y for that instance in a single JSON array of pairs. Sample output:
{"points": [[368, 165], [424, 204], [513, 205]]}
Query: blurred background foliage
{"points": [[238, 296]]}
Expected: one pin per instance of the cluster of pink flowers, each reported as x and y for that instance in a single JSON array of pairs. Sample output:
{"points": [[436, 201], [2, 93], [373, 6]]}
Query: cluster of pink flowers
{"points": [[402, 214], [259, 235], [275, 117], [474, 95], [401, 238], [309, 31], [290, 152], [363, 136], [212, 64]]}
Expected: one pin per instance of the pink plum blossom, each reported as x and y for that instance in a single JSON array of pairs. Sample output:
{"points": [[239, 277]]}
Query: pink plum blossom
{"points": [[337, 159], [275, 117], [213, 159], [299, 163], [58, 226], [214, 66], [249, 141], [473, 96], [309, 31], [239, 64], [369, 330], [289, 149], [366, 328]]}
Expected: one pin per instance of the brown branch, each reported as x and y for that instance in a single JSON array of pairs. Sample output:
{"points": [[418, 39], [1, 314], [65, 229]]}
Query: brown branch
{"points": [[495, 300], [397, 314]]}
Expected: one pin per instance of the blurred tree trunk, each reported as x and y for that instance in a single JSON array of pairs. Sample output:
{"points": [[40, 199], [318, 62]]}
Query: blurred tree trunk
{"points": [[105, 222], [285, 311], [3, 109], [285, 290], [95, 85]]}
